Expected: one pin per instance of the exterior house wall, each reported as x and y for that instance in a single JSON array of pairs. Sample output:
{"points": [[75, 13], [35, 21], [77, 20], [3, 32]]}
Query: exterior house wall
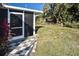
{"points": [[18, 19], [4, 22], [3, 13], [28, 20]]}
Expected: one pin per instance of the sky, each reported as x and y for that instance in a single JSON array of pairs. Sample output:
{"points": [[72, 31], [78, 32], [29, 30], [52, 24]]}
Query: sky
{"points": [[36, 6]]}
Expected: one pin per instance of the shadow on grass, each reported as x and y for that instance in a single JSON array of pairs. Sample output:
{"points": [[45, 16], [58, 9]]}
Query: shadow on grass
{"points": [[37, 28]]}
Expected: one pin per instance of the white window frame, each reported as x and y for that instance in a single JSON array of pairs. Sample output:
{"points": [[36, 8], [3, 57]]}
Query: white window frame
{"points": [[34, 24], [17, 13]]}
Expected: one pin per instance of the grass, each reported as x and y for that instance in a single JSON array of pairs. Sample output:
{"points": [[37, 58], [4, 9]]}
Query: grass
{"points": [[54, 40]]}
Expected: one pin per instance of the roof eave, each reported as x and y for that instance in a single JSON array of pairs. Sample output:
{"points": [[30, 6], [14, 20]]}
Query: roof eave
{"points": [[20, 8]]}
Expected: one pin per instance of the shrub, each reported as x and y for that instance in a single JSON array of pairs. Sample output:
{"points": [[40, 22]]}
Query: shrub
{"points": [[71, 25], [77, 25], [67, 24]]}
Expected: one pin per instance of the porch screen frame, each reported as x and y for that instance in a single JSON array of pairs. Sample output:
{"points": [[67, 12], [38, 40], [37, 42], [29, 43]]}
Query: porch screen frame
{"points": [[16, 13]]}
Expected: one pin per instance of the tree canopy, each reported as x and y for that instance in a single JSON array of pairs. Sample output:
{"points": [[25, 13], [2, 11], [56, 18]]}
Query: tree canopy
{"points": [[63, 12]]}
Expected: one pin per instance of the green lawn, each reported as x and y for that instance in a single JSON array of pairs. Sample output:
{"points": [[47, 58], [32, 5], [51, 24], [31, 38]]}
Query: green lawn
{"points": [[54, 40]]}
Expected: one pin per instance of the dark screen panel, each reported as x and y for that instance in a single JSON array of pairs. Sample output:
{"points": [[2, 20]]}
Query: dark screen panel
{"points": [[28, 24], [17, 32], [16, 20]]}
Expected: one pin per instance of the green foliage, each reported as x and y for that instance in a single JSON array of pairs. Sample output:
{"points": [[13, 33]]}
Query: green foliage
{"points": [[63, 12], [40, 19], [71, 25], [68, 24]]}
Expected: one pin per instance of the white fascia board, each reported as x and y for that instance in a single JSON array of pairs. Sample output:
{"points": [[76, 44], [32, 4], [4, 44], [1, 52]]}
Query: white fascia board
{"points": [[20, 8]]}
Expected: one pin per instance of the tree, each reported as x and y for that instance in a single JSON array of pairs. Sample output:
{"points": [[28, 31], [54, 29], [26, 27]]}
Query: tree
{"points": [[48, 12], [62, 12]]}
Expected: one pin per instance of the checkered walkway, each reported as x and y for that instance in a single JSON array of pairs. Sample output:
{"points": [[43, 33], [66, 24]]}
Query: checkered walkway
{"points": [[21, 48]]}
